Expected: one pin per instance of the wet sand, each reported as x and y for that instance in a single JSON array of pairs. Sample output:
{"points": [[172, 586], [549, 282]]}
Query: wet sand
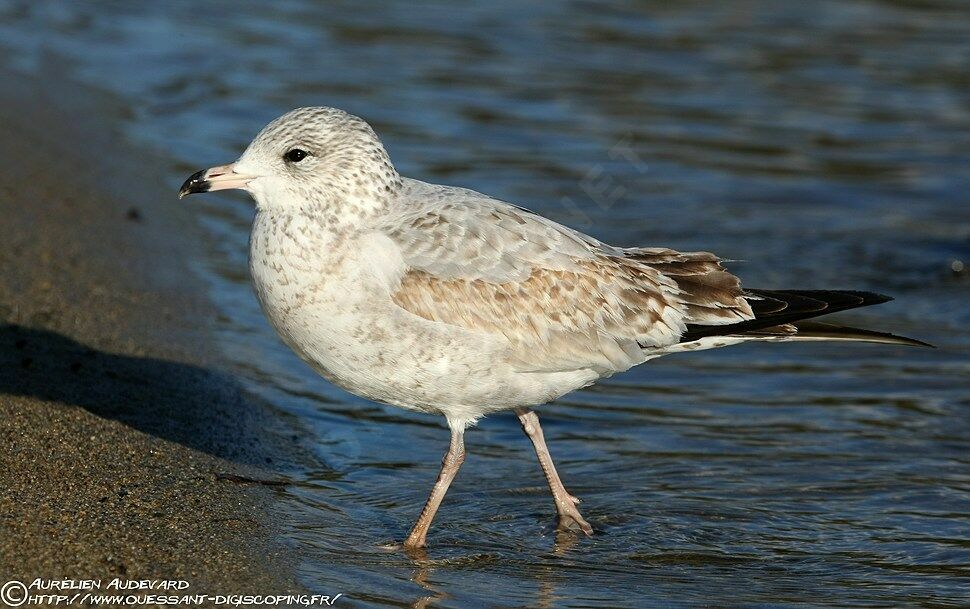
{"points": [[118, 440]]}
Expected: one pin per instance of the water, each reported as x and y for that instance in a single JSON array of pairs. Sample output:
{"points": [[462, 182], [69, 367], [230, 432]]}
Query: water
{"points": [[825, 143]]}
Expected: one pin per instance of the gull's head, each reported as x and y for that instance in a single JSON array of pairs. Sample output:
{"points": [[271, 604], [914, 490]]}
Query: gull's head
{"points": [[309, 158]]}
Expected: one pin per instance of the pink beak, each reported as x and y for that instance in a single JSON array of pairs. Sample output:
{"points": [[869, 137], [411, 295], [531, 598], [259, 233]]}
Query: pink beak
{"points": [[222, 177]]}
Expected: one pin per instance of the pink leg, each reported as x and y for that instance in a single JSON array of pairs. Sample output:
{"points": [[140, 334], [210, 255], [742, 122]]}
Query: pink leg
{"points": [[569, 516], [449, 467]]}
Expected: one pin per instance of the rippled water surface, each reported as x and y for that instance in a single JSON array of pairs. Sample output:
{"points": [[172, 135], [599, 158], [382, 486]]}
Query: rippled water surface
{"points": [[823, 143]]}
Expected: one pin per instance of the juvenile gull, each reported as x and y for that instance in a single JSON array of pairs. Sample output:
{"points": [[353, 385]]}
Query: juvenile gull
{"points": [[446, 301]]}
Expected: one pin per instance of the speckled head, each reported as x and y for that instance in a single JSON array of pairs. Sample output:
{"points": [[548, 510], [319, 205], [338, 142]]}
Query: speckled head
{"points": [[316, 159]]}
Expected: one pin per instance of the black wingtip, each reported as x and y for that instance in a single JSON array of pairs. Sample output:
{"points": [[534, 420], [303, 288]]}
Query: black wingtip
{"points": [[874, 298], [916, 343], [778, 307], [820, 330]]}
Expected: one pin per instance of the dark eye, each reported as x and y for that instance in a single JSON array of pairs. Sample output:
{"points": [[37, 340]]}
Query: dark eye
{"points": [[295, 155]]}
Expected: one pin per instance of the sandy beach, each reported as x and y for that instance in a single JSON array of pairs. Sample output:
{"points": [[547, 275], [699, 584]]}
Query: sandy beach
{"points": [[120, 441]]}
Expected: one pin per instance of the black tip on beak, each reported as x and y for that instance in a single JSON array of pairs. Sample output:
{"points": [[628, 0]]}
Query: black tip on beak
{"points": [[196, 183]]}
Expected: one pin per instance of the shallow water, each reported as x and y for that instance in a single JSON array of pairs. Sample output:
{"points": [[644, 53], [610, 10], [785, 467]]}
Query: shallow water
{"points": [[824, 143]]}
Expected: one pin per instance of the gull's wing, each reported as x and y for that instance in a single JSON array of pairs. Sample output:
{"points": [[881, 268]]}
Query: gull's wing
{"points": [[562, 299]]}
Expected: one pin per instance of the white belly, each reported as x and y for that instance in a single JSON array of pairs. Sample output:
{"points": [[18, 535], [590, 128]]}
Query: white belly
{"points": [[329, 298]]}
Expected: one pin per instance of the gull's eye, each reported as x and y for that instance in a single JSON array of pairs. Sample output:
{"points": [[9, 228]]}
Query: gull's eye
{"points": [[295, 155]]}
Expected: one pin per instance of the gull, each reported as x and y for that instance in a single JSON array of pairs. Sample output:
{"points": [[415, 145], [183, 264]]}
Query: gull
{"points": [[443, 300]]}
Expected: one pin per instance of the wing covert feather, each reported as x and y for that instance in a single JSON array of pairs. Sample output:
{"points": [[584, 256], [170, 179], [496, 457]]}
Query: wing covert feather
{"points": [[562, 299]]}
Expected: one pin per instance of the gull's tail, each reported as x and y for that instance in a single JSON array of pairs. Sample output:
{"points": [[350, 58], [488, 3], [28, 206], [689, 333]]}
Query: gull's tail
{"points": [[782, 314]]}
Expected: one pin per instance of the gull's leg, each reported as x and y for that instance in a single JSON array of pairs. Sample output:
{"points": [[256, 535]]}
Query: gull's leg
{"points": [[569, 516], [449, 467]]}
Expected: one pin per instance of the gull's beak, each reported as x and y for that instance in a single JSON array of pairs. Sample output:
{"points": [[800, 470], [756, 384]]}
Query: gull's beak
{"points": [[216, 178]]}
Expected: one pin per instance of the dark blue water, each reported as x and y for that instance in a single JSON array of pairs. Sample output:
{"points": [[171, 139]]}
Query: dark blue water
{"points": [[825, 144]]}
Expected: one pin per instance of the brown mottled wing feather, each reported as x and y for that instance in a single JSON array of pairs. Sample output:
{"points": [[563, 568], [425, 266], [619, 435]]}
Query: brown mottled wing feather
{"points": [[710, 294], [600, 314], [562, 299]]}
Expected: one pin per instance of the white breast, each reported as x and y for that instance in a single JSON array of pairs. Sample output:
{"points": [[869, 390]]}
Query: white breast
{"points": [[318, 289]]}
